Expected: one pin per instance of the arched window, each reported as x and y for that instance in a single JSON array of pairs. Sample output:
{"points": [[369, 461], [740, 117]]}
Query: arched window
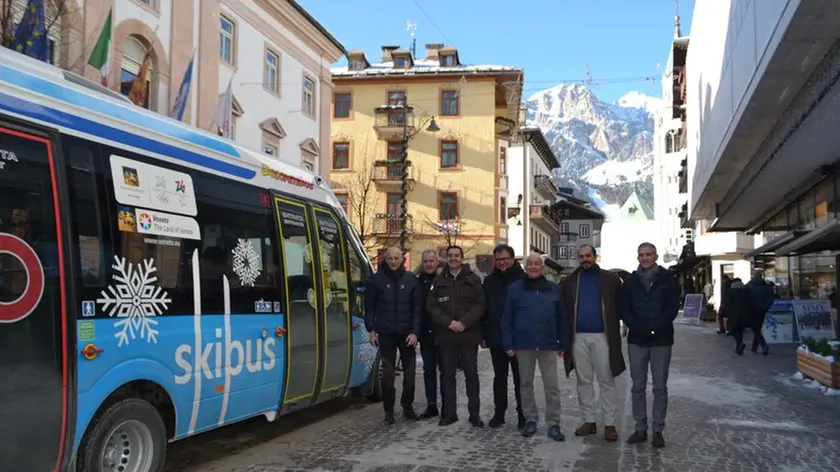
{"points": [[133, 53], [672, 141]]}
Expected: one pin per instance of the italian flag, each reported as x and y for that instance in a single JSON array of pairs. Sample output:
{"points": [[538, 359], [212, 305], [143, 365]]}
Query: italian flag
{"points": [[100, 56]]}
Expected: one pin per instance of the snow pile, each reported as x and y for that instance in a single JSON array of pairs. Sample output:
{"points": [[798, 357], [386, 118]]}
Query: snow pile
{"points": [[614, 173], [833, 344], [814, 384]]}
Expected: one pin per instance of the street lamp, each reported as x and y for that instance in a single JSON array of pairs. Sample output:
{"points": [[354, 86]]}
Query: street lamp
{"points": [[432, 127]]}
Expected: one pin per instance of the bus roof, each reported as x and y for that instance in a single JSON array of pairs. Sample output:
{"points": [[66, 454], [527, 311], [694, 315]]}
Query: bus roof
{"points": [[38, 92]]}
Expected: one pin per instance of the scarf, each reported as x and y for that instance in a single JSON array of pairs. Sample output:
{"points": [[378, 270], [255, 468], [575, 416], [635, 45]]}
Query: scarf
{"points": [[647, 276]]}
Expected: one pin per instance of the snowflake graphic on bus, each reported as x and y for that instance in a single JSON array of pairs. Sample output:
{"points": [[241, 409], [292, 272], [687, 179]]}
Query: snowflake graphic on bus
{"points": [[135, 299], [246, 262]]}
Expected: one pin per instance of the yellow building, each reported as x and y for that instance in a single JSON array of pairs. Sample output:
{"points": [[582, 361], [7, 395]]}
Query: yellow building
{"points": [[459, 119]]}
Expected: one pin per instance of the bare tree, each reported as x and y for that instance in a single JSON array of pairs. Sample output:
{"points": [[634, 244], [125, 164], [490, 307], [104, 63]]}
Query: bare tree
{"points": [[452, 233], [363, 196]]}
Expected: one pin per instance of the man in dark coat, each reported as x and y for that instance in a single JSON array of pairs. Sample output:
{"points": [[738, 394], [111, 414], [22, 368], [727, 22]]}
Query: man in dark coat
{"points": [[496, 285], [739, 312], [426, 274], [761, 299], [392, 316], [592, 298], [650, 306], [456, 304]]}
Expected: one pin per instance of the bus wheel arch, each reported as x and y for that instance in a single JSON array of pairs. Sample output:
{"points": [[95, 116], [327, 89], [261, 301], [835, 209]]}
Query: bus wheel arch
{"points": [[141, 411]]}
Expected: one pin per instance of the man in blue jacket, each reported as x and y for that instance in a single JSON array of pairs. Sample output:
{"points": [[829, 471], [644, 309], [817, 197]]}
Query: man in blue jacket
{"points": [[392, 316], [651, 302], [534, 330]]}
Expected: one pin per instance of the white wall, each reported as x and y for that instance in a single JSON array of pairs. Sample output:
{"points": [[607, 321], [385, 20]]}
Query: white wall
{"points": [[741, 269], [732, 42], [620, 241], [260, 104], [523, 163]]}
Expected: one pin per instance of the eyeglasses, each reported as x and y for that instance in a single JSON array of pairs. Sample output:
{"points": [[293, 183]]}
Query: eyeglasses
{"points": [[502, 259]]}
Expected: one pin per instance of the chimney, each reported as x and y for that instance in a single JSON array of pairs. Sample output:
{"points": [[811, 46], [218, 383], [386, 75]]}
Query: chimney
{"points": [[386, 53], [432, 51]]}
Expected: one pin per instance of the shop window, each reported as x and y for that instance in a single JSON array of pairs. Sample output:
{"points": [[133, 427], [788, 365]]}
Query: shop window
{"points": [[824, 198], [806, 211]]}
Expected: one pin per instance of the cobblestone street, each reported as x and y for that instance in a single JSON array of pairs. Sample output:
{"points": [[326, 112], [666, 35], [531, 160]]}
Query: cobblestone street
{"points": [[726, 413]]}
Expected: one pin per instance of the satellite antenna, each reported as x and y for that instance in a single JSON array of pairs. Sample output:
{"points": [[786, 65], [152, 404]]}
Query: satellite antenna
{"points": [[588, 76], [411, 26]]}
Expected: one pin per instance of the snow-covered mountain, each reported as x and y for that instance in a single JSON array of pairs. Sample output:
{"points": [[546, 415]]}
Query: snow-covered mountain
{"points": [[605, 149]]}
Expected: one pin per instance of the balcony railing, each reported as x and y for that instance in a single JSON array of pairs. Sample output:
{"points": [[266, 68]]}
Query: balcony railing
{"points": [[544, 219], [390, 122], [685, 221], [545, 187], [390, 174], [385, 225]]}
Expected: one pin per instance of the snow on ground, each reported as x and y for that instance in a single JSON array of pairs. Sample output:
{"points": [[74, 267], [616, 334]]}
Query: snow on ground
{"points": [[613, 173], [799, 380]]}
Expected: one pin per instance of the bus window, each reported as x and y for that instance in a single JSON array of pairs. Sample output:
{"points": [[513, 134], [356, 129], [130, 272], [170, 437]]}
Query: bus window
{"points": [[32, 360], [336, 291]]}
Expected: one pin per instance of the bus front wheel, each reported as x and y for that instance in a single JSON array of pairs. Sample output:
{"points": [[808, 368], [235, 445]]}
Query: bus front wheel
{"points": [[128, 436]]}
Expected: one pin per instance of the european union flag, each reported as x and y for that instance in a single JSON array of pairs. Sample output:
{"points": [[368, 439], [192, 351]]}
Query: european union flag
{"points": [[30, 36]]}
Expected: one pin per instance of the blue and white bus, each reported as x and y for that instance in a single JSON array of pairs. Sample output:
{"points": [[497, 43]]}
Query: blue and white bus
{"points": [[158, 281]]}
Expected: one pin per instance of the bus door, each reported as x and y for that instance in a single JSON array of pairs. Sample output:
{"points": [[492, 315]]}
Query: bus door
{"points": [[334, 307], [304, 347], [34, 338]]}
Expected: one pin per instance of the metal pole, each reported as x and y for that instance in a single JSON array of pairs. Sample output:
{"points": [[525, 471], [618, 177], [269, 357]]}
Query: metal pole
{"points": [[404, 183]]}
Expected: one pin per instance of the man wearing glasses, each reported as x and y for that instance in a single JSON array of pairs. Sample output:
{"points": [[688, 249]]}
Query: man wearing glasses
{"points": [[506, 272]]}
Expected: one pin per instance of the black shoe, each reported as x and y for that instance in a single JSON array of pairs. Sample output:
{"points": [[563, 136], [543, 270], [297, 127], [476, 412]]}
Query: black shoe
{"points": [[476, 422], [497, 420], [720, 331], [530, 429], [430, 412], [520, 420], [740, 349], [410, 414], [448, 420], [555, 433], [389, 418], [765, 350]]}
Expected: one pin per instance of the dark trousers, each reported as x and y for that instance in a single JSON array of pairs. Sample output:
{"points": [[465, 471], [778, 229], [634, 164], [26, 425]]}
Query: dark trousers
{"points": [[431, 366], [502, 363], [389, 344], [449, 354], [758, 338]]}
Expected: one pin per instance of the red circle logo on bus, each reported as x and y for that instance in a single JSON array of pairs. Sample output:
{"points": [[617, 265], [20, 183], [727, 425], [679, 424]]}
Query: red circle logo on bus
{"points": [[16, 310]]}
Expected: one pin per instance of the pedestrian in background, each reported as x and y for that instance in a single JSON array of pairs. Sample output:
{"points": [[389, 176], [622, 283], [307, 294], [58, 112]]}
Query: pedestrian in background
{"points": [[592, 297], [496, 285], [761, 299], [534, 332], [650, 306], [426, 273], [392, 317], [738, 312], [456, 304]]}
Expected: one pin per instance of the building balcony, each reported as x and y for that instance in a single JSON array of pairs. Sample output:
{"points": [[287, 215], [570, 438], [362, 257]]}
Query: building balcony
{"points": [[545, 187], [544, 220], [685, 221], [392, 123], [385, 225], [567, 238], [388, 175], [683, 176]]}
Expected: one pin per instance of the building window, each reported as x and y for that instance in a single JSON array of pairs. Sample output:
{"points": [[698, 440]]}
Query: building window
{"points": [[270, 149], [502, 210], [307, 164], [503, 160], [584, 231], [447, 60], [341, 156], [308, 106], [400, 62], [344, 201], [271, 71], [227, 40], [449, 103], [448, 206], [564, 228], [342, 104], [357, 64], [134, 55], [563, 252], [448, 154]]}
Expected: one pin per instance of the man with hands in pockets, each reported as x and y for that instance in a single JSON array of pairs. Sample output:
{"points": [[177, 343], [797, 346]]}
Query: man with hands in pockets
{"points": [[534, 330], [392, 317]]}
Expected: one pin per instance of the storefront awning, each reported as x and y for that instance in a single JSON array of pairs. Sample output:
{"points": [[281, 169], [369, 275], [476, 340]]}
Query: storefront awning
{"points": [[775, 243], [822, 239]]}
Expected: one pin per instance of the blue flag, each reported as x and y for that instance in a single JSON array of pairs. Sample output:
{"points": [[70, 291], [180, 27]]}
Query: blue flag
{"points": [[30, 35], [183, 93]]}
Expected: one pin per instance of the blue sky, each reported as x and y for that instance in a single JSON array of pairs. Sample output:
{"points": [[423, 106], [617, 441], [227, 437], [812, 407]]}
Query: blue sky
{"points": [[553, 40]]}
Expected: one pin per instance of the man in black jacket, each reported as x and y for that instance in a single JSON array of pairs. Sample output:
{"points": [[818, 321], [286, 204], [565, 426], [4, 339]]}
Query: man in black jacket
{"points": [[429, 351], [651, 300], [496, 285], [392, 316]]}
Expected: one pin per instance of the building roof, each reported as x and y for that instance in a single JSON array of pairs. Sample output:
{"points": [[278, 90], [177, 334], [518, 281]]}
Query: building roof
{"points": [[317, 25], [536, 138], [595, 215], [423, 67]]}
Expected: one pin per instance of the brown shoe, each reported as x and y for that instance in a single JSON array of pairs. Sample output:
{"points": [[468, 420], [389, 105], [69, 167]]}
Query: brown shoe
{"points": [[658, 440], [610, 434], [637, 437], [586, 429]]}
